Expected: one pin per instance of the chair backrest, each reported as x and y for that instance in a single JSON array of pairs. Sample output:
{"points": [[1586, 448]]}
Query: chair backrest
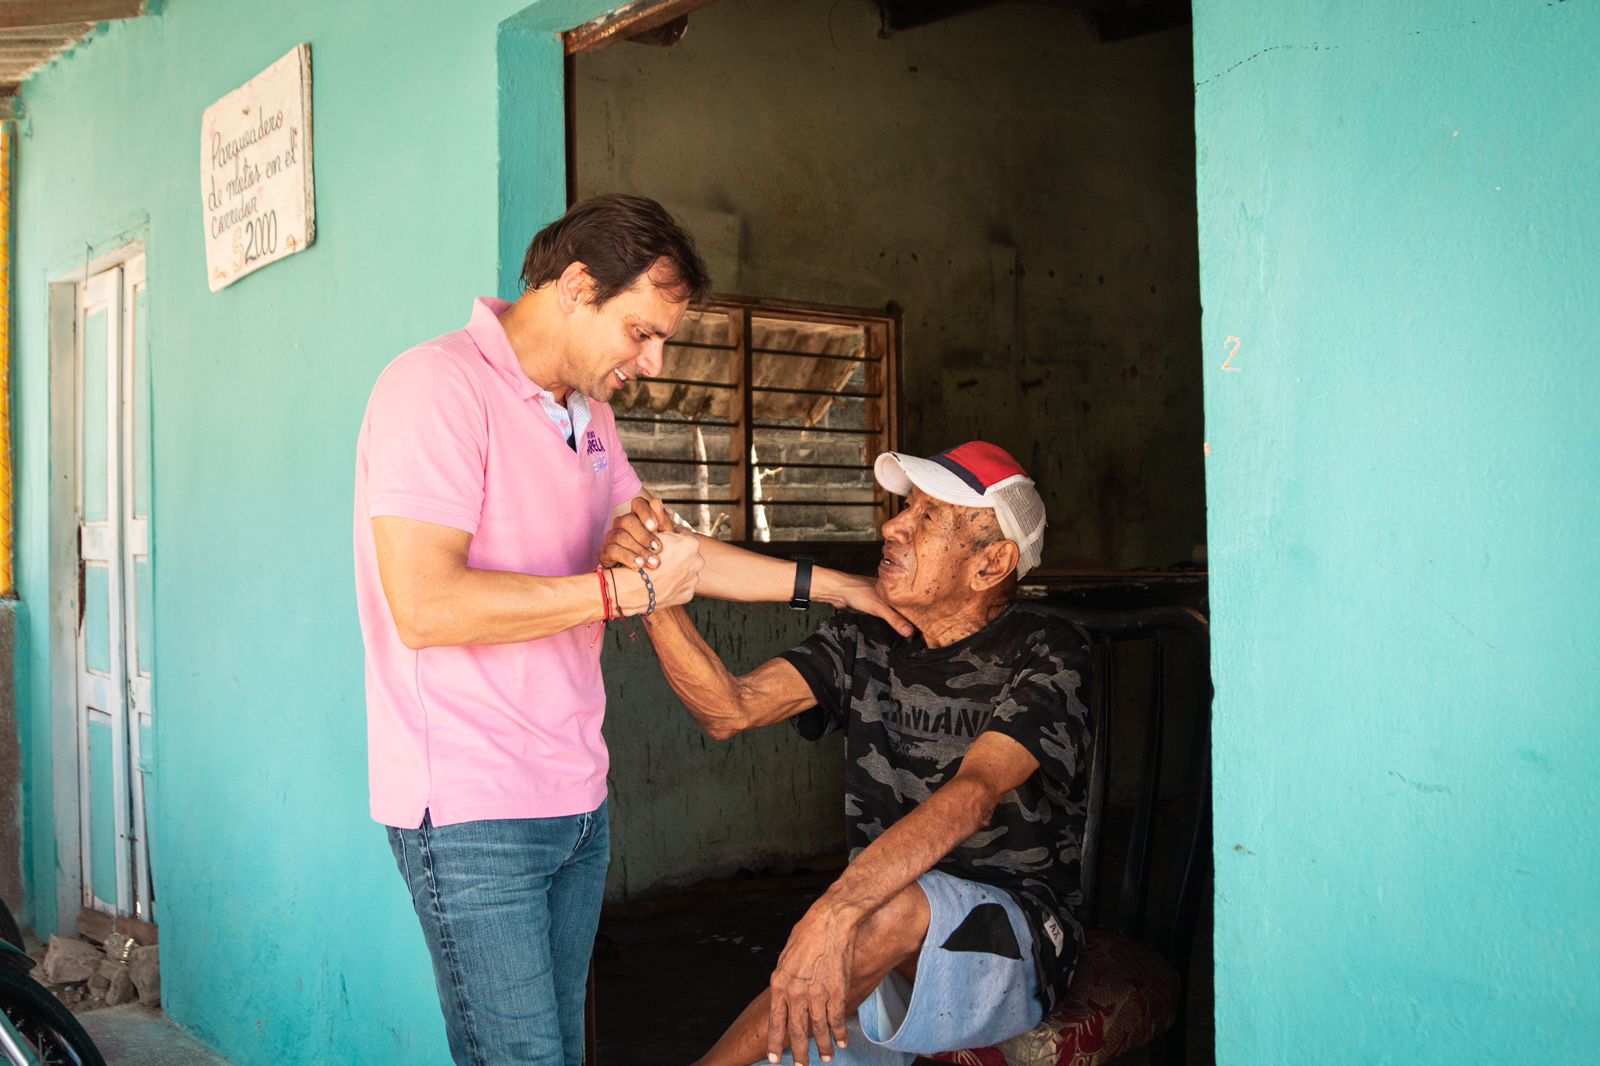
{"points": [[1151, 864]]}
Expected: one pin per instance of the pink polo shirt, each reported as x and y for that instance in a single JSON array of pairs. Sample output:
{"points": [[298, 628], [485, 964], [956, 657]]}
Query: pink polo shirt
{"points": [[454, 435]]}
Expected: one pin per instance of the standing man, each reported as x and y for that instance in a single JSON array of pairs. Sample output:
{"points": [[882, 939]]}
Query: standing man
{"points": [[488, 470]]}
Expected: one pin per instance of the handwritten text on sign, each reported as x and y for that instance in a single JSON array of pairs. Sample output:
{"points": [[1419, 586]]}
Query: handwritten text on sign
{"points": [[255, 171]]}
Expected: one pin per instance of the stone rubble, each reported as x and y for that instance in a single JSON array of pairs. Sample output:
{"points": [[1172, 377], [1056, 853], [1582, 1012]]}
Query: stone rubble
{"points": [[118, 947], [145, 969], [120, 989], [86, 978], [70, 961]]}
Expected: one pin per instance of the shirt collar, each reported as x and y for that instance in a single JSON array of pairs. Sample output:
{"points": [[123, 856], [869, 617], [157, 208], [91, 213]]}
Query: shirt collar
{"points": [[490, 336]]}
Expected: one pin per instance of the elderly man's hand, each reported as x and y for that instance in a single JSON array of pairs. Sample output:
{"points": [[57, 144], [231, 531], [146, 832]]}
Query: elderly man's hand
{"points": [[809, 985], [679, 573], [860, 594]]}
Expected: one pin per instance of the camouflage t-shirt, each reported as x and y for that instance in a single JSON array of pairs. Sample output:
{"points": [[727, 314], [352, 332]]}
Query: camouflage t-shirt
{"points": [[910, 713]]}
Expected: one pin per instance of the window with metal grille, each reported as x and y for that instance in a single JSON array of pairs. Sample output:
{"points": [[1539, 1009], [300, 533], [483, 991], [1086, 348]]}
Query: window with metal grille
{"points": [[766, 418]]}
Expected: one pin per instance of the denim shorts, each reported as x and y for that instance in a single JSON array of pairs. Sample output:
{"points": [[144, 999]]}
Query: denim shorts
{"points": [[976, 982]]}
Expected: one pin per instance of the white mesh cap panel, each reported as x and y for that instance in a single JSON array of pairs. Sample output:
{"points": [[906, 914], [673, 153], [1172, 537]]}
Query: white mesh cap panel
{"points": [[1021, 513]]}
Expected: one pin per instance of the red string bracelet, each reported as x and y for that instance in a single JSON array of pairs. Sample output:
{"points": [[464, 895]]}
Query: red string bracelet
{"points": [[605, 604], [605, 607]]}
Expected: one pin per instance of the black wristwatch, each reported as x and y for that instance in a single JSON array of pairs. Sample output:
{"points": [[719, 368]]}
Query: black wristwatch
{"points": [[802, 584]]}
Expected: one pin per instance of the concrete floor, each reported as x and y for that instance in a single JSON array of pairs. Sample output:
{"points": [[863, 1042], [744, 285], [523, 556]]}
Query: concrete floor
{"points": [[668, 983], [132, 1035]]}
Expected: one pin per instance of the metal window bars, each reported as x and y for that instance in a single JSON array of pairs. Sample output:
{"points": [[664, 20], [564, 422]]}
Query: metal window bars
{"points": [[766, 419]]}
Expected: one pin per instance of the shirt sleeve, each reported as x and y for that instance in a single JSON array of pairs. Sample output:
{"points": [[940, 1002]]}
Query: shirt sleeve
{"points": [[427, 442], [1043, 707], [826, 660]]}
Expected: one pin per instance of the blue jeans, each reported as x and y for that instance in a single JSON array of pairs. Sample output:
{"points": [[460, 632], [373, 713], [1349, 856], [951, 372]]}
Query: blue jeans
{"points": [[509, 909]]}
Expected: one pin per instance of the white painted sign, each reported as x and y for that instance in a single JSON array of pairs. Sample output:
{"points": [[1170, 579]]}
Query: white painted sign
{"points": [[255, 171]]}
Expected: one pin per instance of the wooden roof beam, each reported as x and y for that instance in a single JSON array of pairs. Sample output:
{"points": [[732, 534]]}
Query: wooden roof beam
{"points": [[53, 32], [638, 18], [18, 14]]}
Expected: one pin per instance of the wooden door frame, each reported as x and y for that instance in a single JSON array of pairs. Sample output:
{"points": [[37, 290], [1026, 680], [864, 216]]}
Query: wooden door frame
{"points": [[628, 20], [61, 539], [624, 21]]}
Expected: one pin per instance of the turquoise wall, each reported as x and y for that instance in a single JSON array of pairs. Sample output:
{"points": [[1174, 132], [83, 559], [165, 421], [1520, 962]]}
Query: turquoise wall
{"points": [[286, 933], [1398, 207]]}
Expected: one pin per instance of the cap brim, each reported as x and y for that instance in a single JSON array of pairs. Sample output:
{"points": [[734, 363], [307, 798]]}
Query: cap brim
{"points": [[898, 473]]}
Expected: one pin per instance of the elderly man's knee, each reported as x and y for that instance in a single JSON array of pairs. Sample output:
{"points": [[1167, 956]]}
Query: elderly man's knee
{"points": [[895, 931]]}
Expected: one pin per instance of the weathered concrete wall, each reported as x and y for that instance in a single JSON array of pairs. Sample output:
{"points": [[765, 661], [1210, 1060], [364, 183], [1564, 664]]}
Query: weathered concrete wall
{"points": [[1025, 192], [685, 807], [11, 879]]}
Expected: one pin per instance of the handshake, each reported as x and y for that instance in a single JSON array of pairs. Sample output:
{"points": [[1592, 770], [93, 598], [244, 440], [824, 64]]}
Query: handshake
{"points": [[642, 539]]}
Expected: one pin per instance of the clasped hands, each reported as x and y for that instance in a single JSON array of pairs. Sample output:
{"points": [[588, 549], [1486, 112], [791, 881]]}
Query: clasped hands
{"points": [[642, 539], [643, 536]]}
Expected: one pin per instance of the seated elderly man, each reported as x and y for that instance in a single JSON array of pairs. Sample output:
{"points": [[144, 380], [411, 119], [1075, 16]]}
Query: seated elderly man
{"points": [[953, 925]]}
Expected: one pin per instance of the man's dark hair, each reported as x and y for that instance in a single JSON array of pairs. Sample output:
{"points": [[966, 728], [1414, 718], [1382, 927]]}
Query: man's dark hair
{"points": [[617, 238]]}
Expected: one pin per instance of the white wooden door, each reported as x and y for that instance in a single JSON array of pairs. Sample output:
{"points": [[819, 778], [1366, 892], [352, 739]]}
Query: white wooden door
{"points": [[114, 650]]}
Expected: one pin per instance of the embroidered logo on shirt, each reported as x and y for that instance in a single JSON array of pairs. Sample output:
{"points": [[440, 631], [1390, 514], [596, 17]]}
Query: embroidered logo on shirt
{"points": [[592, 446]]}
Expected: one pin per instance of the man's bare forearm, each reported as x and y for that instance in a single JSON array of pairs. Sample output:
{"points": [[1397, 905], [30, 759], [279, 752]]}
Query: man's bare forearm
{"points": [[733, 573], [696, 673], [436, 599], [722, 704], [744, 576], [472, 606], [911, 847]]}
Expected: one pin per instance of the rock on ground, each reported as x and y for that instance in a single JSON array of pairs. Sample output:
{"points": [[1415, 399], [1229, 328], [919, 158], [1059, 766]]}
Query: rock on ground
{"points": [[120, 988], [70, 961], [119, 947], [144, 966]]}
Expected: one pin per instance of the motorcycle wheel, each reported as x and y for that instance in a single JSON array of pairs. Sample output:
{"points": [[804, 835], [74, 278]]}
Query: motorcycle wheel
{"points": [[9, 930], [45, 1023]]}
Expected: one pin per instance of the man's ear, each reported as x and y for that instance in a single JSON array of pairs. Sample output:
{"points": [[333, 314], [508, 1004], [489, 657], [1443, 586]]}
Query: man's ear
{"points": [[574, 287], [994, 564]]}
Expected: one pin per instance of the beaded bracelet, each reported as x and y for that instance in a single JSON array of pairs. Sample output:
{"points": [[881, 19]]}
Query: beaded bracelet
{"points": [[650, 590]]}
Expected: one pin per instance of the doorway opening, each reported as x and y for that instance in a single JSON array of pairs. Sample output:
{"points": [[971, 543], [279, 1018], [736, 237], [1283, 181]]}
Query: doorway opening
{"points": [[102, 587], [1014, 183]]}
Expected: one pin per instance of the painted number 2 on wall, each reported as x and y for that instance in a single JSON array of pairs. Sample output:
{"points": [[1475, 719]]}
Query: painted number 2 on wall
{"points": [[1233, 350]]}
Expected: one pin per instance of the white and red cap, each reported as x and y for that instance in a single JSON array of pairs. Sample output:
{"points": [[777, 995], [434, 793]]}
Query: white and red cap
{"points": [[975, 474]]}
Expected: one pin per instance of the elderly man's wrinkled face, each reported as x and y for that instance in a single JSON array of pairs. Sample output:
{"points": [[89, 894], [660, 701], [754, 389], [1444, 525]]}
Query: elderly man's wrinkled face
{"points": [[931, 551]]}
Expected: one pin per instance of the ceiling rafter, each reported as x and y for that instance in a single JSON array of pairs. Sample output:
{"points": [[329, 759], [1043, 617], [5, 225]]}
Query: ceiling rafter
{"points": [[33, 32]]}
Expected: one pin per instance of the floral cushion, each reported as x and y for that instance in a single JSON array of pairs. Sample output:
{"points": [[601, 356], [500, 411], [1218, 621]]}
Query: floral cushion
{"points": [[1123, 995]]}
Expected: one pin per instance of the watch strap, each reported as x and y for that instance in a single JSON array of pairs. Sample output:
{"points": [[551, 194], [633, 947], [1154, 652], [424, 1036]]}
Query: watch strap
{"points": [[801, 601]]}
